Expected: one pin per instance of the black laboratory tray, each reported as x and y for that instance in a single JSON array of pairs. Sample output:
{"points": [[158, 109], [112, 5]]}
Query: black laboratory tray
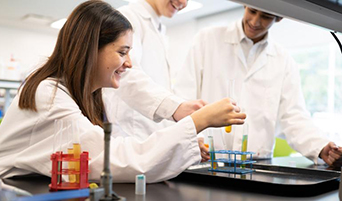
{"points": [[269, 179]]}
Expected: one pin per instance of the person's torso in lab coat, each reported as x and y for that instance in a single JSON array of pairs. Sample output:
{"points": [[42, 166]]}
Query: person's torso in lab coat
{"points": [[148, 54], [257, 87]]}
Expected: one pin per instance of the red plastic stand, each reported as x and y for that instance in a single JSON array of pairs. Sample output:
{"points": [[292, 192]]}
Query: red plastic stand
{"points": [[57, 171]]}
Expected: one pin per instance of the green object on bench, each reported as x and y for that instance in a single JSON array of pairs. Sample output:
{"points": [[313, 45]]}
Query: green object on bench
{"points": [[282, 148]]}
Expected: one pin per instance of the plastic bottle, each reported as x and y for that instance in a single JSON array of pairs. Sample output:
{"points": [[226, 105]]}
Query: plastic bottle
{"points": [[140, 184]]}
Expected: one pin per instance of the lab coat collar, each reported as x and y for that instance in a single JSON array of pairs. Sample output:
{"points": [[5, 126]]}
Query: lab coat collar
{"points": [[147, 12], [234, 35]]}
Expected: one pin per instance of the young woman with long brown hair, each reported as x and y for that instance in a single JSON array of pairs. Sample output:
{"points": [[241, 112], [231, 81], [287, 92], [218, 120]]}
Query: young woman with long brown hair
{"points": [[91, 52]]}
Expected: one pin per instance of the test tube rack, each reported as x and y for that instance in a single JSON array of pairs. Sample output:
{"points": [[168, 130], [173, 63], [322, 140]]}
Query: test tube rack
{"points": [[232, 164], [57, 171]]}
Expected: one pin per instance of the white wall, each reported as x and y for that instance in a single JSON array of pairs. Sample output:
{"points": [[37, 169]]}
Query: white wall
{"points": [[29, 47]]}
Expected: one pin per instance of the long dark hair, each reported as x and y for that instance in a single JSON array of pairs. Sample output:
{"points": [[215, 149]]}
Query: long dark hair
{"points": [[91, 26]]}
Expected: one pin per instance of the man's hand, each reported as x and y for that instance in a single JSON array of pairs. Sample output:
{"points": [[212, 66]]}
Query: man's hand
{"points": [[331, 154], [187, 108], [204, 150]]}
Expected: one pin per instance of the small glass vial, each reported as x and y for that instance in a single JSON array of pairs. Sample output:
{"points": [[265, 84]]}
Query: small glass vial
{"points": [[140, 184]]}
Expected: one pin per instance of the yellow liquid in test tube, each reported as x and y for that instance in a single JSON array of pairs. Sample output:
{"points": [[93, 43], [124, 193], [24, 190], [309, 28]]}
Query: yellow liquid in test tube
{"points": [[228, 129], [71, 166], [244, 148], [77, 154], [230, 93], [244, 143]]}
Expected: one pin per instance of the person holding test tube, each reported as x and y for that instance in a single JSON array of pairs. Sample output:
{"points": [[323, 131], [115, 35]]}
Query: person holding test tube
{"points": [[92, 50], [267, 86], [148, 55]]}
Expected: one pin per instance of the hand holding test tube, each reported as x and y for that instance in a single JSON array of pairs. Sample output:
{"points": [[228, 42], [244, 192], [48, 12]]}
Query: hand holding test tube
{"points": [[230, 93]]}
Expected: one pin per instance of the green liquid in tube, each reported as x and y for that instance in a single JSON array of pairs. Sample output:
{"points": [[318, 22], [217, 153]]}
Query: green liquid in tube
{"points": [[212, 155]]}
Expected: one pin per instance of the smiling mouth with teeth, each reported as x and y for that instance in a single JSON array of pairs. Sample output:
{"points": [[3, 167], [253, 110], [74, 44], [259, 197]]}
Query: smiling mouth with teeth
{"points": [[119, 72], [175, 7]]}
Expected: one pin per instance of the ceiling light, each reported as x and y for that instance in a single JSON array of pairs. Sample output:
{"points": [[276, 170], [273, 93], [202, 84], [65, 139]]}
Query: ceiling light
{"points": [[58, 24], [37, 19], [192, 5]]}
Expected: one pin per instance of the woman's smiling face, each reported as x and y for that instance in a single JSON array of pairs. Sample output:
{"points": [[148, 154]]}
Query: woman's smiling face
{"points": [[113, 59]]}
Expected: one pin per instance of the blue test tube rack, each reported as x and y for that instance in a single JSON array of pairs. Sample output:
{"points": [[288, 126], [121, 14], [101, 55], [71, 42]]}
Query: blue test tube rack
{"points": [[232, 164]]}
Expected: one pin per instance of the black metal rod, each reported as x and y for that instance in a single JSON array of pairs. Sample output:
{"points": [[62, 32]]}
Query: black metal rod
{"points": [[337, 40], [106, 176]]}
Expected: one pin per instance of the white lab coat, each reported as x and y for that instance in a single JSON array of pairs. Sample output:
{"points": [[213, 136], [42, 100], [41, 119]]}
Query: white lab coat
{"points": [[148, 55], [27, 142], [269, 92]]}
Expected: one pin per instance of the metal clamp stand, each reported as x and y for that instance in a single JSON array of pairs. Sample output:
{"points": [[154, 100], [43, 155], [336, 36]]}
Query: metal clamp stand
{"points": [[106, 176]]}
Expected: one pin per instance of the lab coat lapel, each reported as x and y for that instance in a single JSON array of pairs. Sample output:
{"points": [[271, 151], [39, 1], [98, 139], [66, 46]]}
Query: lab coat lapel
{"points": [[164, 43], [239, 53], [161, 35], [262, 60], [232, 37], [258, 64], [162, 40]]}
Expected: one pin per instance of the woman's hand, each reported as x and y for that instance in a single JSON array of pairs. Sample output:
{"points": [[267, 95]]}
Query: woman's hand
{"points": [[221, 113], [204, 150]]}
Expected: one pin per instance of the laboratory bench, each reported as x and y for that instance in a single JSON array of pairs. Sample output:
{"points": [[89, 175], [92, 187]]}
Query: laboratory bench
{"points": [[183, 189]]}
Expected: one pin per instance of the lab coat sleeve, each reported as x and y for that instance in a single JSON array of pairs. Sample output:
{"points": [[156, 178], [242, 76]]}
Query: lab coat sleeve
{"points": [[164, 155], [137, 89], [299, 129], [143, 95], [188, 83]]}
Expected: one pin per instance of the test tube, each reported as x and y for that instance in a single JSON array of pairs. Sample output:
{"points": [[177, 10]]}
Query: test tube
{"points": [[57, 144], [212, 154], [76, 147], [71, 164], [230, 94], [244, 143]]}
